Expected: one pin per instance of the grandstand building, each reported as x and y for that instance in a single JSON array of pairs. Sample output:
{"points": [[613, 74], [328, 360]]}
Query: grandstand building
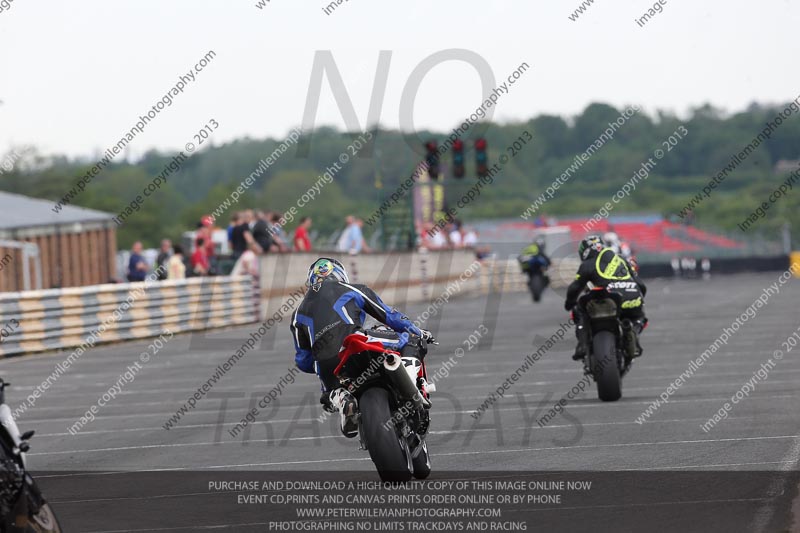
{"points": [[652, 237]]}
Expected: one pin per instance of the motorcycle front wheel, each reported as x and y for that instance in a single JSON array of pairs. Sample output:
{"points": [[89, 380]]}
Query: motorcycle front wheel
{"points": [[422, 463], [44, 521]]}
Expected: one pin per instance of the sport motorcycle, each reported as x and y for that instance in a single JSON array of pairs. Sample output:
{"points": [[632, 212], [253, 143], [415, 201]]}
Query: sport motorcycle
{"points": [[23, 509], [393, 397]]}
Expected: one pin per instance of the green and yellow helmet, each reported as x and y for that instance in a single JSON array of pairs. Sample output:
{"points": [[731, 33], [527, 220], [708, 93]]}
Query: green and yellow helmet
{"points": [[325, 267]]}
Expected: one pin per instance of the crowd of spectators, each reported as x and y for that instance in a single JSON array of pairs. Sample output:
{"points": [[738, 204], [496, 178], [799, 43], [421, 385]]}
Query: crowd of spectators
{"points": [[260, 232], [452, 235], [169, 263], [250, 233]]}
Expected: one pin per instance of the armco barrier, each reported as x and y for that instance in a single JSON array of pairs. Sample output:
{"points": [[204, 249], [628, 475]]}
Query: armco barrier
{"points": [[693, 266], [399, 278], [71, 317], [405, 277]]}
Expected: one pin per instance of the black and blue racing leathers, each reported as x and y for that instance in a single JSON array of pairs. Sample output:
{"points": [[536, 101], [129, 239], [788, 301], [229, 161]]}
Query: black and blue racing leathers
{"points": [[331, 311]]}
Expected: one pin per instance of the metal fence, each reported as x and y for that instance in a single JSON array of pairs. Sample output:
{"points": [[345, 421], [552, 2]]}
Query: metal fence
{"points": [[34, 321]]}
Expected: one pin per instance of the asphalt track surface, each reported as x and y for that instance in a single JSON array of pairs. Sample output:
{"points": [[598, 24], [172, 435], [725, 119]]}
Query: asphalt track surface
{"points": [[761, 434]]}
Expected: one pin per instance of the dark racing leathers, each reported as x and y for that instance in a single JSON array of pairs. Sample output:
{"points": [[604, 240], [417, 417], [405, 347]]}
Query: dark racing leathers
{"points": [[533, 260], [331, 311], [609, 270]]}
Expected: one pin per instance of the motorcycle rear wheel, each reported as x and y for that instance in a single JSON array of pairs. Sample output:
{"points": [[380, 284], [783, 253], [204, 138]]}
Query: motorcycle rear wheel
{"points": [[386, 448], [606, 371], [537, 287]]}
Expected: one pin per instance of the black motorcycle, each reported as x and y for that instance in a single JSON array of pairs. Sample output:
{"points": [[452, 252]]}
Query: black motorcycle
{"points": [[537, 281], [22, 506], [393, 400], [537, 277], [608, 359]]}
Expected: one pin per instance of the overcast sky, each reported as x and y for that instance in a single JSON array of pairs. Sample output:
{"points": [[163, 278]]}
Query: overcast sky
{"points": [[76, 75]]}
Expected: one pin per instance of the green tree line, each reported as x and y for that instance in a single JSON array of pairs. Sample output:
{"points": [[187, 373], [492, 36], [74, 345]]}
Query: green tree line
{"points": [[209, 175]]}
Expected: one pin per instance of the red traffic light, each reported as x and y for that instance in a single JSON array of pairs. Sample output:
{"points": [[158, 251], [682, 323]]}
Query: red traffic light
{"points": [[458, 145], [480, 144], [431, 146]]}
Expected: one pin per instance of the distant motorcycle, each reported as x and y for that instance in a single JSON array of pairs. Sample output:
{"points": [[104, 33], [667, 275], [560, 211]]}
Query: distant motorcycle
{"points": [[23, 509], [393, 400], [536, 269], [607, 360]]}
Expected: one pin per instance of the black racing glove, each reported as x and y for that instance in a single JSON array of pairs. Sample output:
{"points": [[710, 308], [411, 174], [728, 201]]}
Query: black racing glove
{"points": [[568, 305], [428, 336]]}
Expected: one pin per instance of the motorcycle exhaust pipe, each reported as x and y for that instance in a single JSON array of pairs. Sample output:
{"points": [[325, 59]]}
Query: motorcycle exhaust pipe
{"points": [[402, 382]]}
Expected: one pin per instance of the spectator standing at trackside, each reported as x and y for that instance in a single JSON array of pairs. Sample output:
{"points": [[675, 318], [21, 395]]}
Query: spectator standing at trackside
{"points": [[455, 237], [343, 237], [352, 240], [137, 266], [199, 262], [247, 263], [161, 260], [278, 235], [241, 236], [302, 243], [431, 237], [205, 230], [471, 243], [470, 238], [261, 232], [364, 248], [176, 268], [437, 240], [233, 223]]}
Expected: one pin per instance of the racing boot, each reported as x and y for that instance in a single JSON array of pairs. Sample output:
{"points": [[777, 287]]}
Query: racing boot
{"points": [[346, 404], [630, 339], [583, 342]]}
